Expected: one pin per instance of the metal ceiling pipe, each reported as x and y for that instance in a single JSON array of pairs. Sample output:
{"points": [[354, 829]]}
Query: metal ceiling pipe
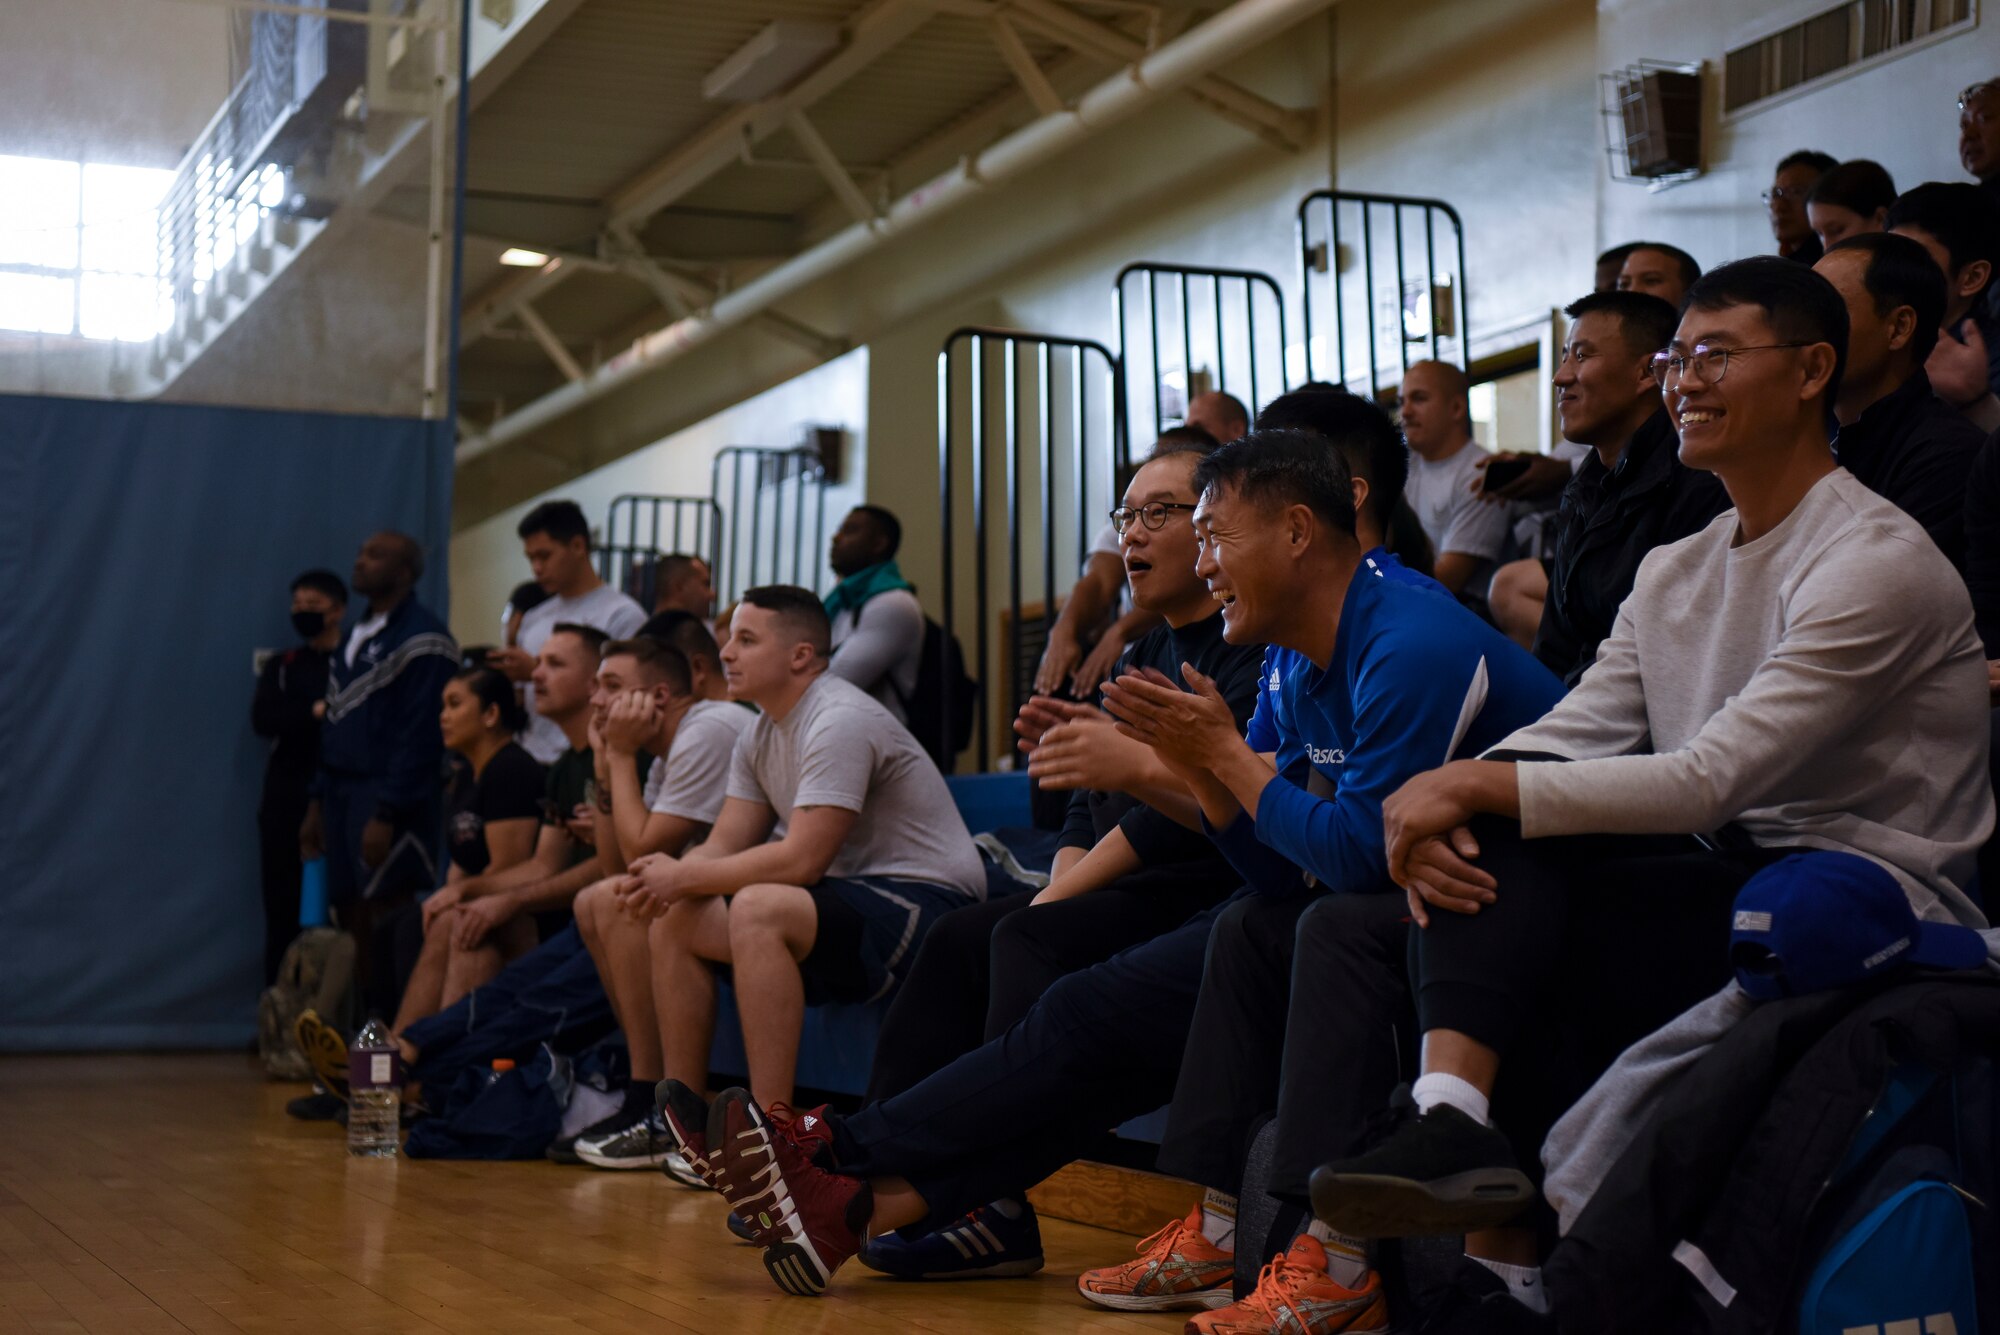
{"points": [[1225, 36]]}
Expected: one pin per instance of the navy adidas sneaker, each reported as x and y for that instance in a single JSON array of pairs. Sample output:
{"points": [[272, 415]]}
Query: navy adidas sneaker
{"points": [[985, 1244]]}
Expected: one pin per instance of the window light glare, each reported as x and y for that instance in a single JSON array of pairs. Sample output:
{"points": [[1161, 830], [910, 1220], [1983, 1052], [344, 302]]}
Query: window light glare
{"points": [[516, 257]]}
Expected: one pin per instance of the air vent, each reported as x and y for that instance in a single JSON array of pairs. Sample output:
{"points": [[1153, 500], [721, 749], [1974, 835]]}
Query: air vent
{"points": [[1839, 39]]}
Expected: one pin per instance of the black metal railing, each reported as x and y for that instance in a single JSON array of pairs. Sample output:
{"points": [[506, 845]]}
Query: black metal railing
{"points": [[639, 530], [767, 497], [1069, 395], [1203, 312], [1380, 313]]}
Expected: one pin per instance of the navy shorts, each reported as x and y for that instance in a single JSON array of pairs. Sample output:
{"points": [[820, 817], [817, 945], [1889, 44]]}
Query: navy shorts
{"points": [[869, 930]]}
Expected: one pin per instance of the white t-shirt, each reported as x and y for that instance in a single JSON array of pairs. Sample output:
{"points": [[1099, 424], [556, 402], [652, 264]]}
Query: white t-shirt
{"points": [[1452, 515], [839, 748], [604, 608], [881, 643], [693, 778], [1106, 544]]}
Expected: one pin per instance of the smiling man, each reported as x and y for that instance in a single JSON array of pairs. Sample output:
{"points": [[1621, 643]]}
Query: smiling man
{"points": [[1393, 676], [1631, 493], [1803, 672]]}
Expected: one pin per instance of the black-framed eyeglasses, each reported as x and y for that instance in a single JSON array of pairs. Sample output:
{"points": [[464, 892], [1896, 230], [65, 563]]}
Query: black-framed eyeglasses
{"points": [[1153, 515], [1798, 192], [1704, 364]]}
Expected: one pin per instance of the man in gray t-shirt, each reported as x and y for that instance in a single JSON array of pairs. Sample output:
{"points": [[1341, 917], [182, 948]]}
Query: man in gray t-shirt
{"points": [[837, 846]]}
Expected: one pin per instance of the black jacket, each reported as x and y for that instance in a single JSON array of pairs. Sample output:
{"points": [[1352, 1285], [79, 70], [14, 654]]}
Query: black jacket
{"points": [[382, 710], [293, 681], [1158, 840], [1982, 543], [1608, 519], [1914, 450], [1738, 1157]]}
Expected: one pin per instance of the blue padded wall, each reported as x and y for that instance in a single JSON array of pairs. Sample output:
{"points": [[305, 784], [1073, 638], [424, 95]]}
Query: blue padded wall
{"points": [[145, 551]]}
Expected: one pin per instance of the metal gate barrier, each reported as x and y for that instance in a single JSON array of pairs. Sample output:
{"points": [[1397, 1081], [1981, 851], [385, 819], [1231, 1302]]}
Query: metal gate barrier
{"points": [[1376, 315], [641, 529], [1234, 316], [1056, 403], [767, 542]]}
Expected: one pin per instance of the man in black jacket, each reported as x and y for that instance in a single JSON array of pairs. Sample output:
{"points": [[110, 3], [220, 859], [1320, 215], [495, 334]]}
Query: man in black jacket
{"points": [[1897, 437], [1631, 493], [288, 706]]}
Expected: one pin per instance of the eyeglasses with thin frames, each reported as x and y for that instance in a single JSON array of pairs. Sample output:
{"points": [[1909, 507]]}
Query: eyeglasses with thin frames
{"points": [[1703, 364], [1153, 516]]}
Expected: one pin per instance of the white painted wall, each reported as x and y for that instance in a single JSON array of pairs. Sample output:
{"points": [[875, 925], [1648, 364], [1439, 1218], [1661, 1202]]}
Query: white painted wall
{"points": [[1902, 113], [486, 560]]}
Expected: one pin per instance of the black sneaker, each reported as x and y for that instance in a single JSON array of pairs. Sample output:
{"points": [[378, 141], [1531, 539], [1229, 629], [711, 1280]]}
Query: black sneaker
{"points": [[1477, 1302], [643, 1144], [319, 1106], [1442, 1173], [563, 1150]]}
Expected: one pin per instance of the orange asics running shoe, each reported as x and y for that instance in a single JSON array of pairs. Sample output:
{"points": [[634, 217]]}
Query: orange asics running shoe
{"points": [[1177, 1269], [1295, 1296]]}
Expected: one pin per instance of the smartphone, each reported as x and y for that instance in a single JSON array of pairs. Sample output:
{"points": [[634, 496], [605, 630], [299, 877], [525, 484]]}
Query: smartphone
{"points": [[1502, 471]]}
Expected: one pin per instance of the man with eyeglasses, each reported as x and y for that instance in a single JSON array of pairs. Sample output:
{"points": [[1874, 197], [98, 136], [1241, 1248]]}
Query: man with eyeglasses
{"points": [[1125, 871], [1979, 133], [1801, 673], [1785, 201], [1400, 674]]}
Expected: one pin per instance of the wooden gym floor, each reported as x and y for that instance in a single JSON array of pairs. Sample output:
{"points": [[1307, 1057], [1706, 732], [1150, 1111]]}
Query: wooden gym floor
{"points": [[171, 1193]]}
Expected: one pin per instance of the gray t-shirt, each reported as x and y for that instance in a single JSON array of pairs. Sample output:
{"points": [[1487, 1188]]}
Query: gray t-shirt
{"points": [[881, 644], [691, 781], [1452, 515], [604, 608], [839, 748]]}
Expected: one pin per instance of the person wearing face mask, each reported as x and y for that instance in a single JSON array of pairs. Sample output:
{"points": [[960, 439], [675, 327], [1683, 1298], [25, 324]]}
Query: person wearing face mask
{"points": [[287, 709]]}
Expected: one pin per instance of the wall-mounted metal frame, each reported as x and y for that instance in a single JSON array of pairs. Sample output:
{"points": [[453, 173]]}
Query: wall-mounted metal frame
{"points": [[638, 530], [1078, 391], [1246, 360], [1362, 350], [777, 484]]}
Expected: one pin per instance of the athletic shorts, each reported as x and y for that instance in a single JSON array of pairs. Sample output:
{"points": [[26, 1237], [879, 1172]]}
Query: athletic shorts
{"points": [[868, 934]]}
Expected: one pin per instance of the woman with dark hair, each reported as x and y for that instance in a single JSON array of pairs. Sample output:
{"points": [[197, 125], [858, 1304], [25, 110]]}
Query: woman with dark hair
{"points": [[1850, 200], [493, 815]]}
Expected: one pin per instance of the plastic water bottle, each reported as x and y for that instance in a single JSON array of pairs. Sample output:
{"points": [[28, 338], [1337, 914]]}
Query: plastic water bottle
{"points": [[374, 1093]]}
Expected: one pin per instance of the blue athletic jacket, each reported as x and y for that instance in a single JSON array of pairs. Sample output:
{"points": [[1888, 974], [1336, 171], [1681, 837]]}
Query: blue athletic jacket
{"points": [[382, 713], [1415, 680]]}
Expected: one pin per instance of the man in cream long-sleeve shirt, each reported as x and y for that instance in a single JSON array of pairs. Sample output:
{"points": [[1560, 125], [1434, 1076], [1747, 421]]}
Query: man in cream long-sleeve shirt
{"points": [[1801, 673]]}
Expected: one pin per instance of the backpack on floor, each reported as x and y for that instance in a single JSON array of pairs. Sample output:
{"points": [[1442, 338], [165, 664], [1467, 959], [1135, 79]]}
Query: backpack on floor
{"points": [[316, 973], [489, 1114], [1905, 1263]]}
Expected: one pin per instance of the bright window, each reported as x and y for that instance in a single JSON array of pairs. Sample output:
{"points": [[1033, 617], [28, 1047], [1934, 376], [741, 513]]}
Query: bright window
{"points": [[79, 249]]}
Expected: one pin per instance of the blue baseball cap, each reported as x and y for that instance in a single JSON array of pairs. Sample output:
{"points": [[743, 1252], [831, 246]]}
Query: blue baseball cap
{"points": [[1821, 920]]}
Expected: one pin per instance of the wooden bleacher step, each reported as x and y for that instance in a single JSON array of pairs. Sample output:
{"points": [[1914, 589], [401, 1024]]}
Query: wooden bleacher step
{"points": [[1125, 1200]]}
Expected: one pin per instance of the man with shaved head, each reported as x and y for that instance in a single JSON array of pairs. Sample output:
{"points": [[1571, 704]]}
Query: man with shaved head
{"points": [[375, 811], [1465, 532]]}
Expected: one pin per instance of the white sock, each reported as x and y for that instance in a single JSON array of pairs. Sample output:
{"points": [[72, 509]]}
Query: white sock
{"points": [[1431, 1090], [1347, 1260], [1524, 1282], [1218, 1219]]}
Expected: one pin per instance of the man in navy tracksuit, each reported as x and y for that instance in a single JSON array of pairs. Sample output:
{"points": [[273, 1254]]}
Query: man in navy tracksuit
{"points": [[1394, 678], [376, 809]]}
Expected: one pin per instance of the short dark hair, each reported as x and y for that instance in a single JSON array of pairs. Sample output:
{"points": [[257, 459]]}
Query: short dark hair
{"points": [[661, 625], [1859, 184], [1183, 439], [527, 595], [1690, 267], [561, 520], [660, 661], [494, 690], [673, 565], [695, 642], [1963, 217], [1645, 322], [592, 637], [1364, 434], [1901, 272], [1230, 402], [322, 581], [1801, 306], [1809, 157], [1618, 254], [1283, 467], [799, 608], [885, 521]]}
